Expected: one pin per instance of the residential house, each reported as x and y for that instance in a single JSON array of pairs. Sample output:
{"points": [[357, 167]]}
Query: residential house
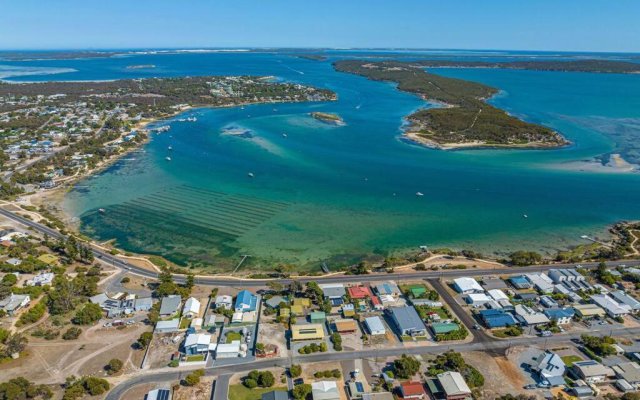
{"points": [[158, 394], [441, 328], [356, 389], [408, 321], [275, 395], [197, 343], [498, 295], [168, 326], [378, 396], [275, 301], [325, 390], [562, 316], [588, 310], [334, 292], [467, 285], [493, 283], [224, 302], [541, 282], [630, 372], [317, 317], [170, 305], [191, 308], [477, 299], [550, 368], [348, 310], [624, 298], [228, 350], [591, 371], [497, 319], [345, 325], [388, 288], [246, 301], [610, 306], [520, 282], [307, 332], [359, 292], [530, 317], [548, 302], [412, 390], [375, 326], [453, 386], [14, 302]]}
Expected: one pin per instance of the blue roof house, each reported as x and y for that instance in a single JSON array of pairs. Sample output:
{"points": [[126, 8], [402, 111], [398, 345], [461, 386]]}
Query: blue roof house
{"points": [[246, 301], [497, 318], [561, 315]]}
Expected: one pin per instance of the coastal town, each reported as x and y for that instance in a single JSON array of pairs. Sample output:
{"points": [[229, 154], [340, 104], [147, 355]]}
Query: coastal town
{"points": [[78, 323]]}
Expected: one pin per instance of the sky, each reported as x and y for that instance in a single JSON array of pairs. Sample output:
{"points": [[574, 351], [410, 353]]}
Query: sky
{"points": [[569, 25]]}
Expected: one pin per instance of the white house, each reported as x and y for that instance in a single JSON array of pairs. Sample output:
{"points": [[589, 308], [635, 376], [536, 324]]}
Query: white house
{"points": [[610, 306], [375, 326], [466, 285], [228, 350], [541, 282], [14, 302], [497, 295], [550, 368], [42, 279], [197, 343], [191, 308], [528, 316], [224, 301], [477, 299]]}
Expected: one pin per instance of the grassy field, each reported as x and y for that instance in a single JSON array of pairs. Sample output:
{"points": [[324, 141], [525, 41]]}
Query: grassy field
{"points": [[569, 360], [241, 392], [231, 336]]}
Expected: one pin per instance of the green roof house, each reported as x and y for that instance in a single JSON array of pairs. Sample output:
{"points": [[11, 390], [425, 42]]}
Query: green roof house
{"points": [[439, 328], [317, 317]]}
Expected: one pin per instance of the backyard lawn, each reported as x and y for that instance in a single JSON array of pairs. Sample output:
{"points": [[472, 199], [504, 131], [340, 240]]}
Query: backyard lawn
{"points": [[241, 392], [569, 360]]}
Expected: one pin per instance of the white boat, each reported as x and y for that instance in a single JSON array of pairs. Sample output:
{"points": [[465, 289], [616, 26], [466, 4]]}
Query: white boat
{"points": [[525, 216], [168, 158], [419, 194], [284, 135], [102, 210], [192, 119], [250, 175], [169, 148]]}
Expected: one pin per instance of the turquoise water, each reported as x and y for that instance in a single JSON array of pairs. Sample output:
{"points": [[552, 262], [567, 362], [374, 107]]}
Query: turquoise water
{"points": [[338, 193]]}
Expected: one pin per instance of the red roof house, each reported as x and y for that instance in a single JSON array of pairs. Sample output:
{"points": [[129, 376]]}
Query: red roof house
{"points": [[412, 390], [359, 292]]}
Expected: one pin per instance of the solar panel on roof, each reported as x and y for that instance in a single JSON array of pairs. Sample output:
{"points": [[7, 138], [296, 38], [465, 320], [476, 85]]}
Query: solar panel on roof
{"points": [[359, 386]]}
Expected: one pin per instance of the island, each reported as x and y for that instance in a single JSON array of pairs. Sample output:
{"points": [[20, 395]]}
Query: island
{"points": [[328, 118], [595, 66], [54, 133], [462, 118], [313, 57], [141, 66]]}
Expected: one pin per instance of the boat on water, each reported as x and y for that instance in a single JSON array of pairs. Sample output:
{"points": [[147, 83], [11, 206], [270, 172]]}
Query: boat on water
{"points": [[419, 194], [182, 120], [169, 148], [525, 216], [102, 210], [168, 158], [192, 119], [250, 175], [284, 135]]}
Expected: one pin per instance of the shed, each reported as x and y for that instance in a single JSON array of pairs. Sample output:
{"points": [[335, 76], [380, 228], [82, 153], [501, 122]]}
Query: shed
{"points": [[317, 317], [375, 326], [168, 326]]}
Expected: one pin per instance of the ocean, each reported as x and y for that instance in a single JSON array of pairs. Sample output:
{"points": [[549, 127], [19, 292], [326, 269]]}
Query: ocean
{"points": [[336, 194]]}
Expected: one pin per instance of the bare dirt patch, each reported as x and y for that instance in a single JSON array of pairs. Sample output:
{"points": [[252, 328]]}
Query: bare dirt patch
{"points": [[199, 391]]}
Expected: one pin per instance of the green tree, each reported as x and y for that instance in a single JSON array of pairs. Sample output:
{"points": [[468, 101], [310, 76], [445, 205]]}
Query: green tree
{"points": [[406, 366], [295, 370], [266, 379], [114, 366], [300, 392], [88, 314], [145, 339]]}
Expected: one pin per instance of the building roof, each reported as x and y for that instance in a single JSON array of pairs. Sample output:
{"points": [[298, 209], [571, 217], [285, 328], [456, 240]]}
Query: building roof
{"points": [[497, 294], [624, 298], [529, 316], [610, 305], [197, 339], [324, 390], [274, 302], [412, 389], [591, 368], [559, 313], [466, 284], [629, 371], [374, 324], [307, 331], [275, 395], [378, 396], [224, 299], [170, 304], [493, 283], [550, 364], [387, 288], [345, 325], [159, 394], [444, 327], [453, 383], [13, 301], [246, 301], [359, 292], [407, 318], [541, 281], [497, 318], [233, 347], [333, 290], [171, 324], [588, 310], [477, 298], [192, 305]]}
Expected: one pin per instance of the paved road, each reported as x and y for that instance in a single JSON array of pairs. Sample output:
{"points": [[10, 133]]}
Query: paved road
{"points": [[221, 387], [494, 346], [224, 281]]}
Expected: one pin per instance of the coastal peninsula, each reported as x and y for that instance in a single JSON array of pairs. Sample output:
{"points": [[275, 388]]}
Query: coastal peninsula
{"points": [[464, 119], [328, 118], [57, 132]]}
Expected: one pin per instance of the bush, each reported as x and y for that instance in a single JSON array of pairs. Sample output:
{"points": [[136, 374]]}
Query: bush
{"points": [[250, 383], [300, 392], [114, 366], [126, 279], [295, 370], [193, 378], [33, 314], [88, 314], [72, 333], [266, 379], [144, 339]]}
